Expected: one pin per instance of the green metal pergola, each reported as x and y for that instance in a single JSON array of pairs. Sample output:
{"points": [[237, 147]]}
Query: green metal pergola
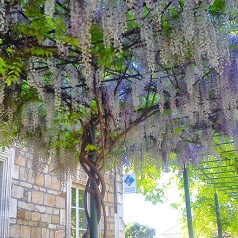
{"points": [[222, 174]]}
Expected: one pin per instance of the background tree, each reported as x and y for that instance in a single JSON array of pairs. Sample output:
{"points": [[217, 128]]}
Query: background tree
{"points": [[202, 190], [136, 230], [203, 206], [79, 76]]}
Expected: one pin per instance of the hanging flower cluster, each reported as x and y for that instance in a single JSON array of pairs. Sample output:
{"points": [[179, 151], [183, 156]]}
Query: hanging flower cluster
{"points": [[158, 76]]}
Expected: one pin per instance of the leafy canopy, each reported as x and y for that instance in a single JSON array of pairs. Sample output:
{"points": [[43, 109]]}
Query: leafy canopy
{"points": [[118, 65], [140, 231]]}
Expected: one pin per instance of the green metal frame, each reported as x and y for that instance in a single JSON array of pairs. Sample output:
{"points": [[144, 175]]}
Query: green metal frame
{"points": [[222, 174], [188, 204]]}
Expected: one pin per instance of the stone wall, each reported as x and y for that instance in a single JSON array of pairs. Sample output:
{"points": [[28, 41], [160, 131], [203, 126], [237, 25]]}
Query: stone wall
{"points": [[38, 207], [37, 204], [114, 206]]}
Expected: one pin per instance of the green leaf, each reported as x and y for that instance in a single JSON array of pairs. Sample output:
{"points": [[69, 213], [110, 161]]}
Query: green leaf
{"points": [[93, 106], [178, 130], [3, 67], [9, 81], [91, 148], [41, 52], [218, 6]]}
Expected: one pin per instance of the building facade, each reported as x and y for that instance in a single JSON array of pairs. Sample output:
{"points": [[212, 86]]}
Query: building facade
{"points": [[34, 206]]}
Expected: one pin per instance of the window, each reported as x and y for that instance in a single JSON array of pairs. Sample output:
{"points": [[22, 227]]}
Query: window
{"points": [[78, 217], [6, 160], [1, 182]]}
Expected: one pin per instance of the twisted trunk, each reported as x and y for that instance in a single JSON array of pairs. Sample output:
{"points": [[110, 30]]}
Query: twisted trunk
{"points": [[94, 192]]}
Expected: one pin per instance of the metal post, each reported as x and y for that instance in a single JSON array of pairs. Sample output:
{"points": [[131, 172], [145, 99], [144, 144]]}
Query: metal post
{"points": [[116, 217], [188, 206], [93, 203], [219, 225]]}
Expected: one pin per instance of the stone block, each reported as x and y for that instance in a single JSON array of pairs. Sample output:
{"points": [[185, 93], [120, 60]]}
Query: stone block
{"points": [[56, 211], [20, 161], [46, 170], [55, 219], [34, 223], [44, 190], [53, 192], [22, 222], [109, 234], [112, 212], [60, 202], [59, 227], [45, 232], [106, 177], [30, 177], [48, 181], [120, 210], [25, 231], [52, 226], [23, 174], [49, 200], [111, 227], [119, 186], [27, 215], [55, 183], [21, 214], [62, 217], [107, 210], [39, 188], [24, 184], [119, 198], [43, 224], [49, 210], [37, 197], [46, 218], [39, 180], [29, 163], [17, 191], [52, 234], [25, 196], [110, 197], [36, 216], [28, 196], [15, 181], [110, 189], [15, 230], [40, 208], [36, 232], [59, 234], [62, 194], [35, 187]]}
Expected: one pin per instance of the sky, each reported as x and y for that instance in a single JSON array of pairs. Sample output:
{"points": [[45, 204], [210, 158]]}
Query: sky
{"points": [[161, 217]]}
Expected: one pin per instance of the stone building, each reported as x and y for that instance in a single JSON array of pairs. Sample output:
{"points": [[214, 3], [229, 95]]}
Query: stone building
{"points": [[35, 206]]}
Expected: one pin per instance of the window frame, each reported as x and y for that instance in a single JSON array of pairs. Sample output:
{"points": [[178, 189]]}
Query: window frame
{"points": [[7, 159], [71, 185]]}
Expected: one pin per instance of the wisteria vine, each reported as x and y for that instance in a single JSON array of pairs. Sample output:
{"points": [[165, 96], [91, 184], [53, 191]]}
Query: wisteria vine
{"points": [[152, 76]]}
